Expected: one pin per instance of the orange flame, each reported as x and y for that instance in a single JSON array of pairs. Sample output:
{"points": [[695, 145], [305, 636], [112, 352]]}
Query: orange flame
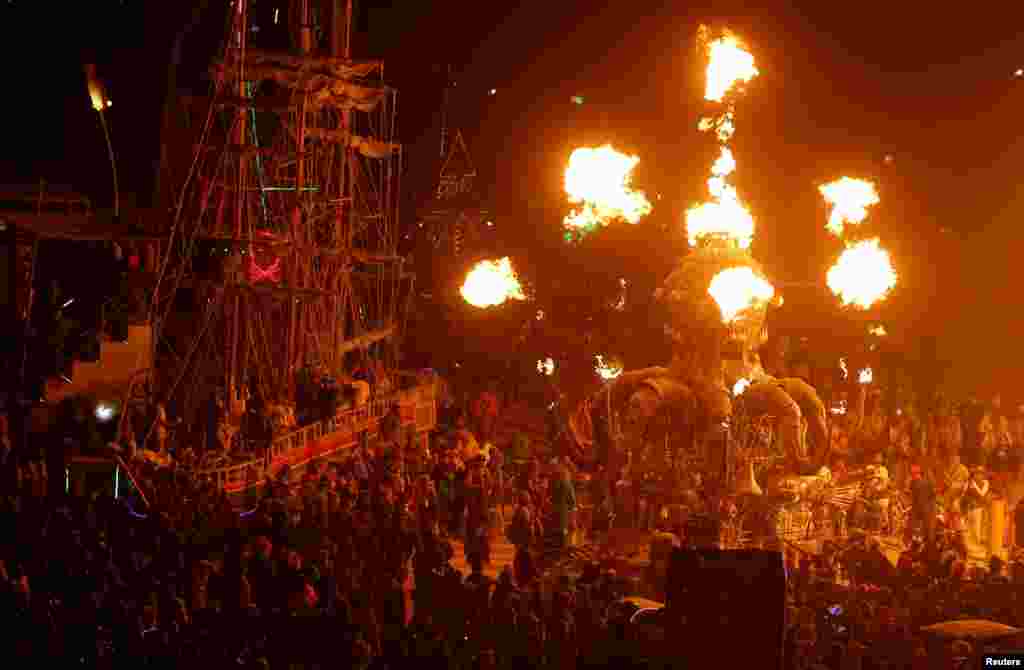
{"points": [[863, 275], [599, 180], [738, 289], [725, 215], [606, 370], [97, 94], [866, 376], [729, 64], [491, 283], [850, 199]]}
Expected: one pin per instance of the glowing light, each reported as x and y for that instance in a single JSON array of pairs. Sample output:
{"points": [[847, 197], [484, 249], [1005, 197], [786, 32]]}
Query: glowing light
{"points": [[878, 331], [491, 283], [271, 273], [598, 181], [540, 315], [606, 370], [97, 94], [863, 275], [104, 412], [1019, 72], [740, 386], [738, 289], [546, 366], [866, 376], [850, 199], [729, 65], [843, 368], [725, 216]]}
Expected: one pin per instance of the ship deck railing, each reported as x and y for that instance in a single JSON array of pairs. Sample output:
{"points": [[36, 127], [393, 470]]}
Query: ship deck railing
{"points": [[327, 438]]}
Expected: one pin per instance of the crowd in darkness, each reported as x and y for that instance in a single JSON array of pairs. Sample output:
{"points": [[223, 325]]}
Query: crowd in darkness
{"points": [[351, 565]]}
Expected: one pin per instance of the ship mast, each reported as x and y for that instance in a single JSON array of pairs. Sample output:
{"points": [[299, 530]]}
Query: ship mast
{"points": [[285, 235]]}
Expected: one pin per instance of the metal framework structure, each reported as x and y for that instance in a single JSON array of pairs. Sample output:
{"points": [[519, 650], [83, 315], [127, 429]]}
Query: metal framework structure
{"points": [[283, 245]]}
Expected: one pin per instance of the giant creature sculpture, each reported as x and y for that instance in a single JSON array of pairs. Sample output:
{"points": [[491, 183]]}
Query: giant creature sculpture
{"points": [[688, 403]]}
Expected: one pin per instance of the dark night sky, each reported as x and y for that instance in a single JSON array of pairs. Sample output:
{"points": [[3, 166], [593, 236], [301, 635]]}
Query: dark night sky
{"points": [[842, 86]]}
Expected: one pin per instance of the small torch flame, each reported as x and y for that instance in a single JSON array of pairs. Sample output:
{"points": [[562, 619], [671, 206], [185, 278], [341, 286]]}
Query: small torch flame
{"points": [[863, 275], [866, 376], [606, 371], [546, 367], [850, 199], [598, 179], [737, 289], [491, 283], [729, 64], [97, 94], [740, 386]]}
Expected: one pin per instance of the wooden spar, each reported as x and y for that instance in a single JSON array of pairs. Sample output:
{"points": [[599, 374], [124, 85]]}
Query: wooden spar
{"points": [[366, 339], [232, 353]]}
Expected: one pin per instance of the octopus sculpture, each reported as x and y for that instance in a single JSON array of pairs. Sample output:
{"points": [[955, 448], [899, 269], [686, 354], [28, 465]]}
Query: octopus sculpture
{"points": [[688, 404]]}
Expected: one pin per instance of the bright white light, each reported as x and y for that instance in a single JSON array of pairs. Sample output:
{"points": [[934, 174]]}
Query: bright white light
{"points": [[494, 91], [740, 386], [277, 13], [1019, 72], [546, 367], [104, 412], [866, 376]]}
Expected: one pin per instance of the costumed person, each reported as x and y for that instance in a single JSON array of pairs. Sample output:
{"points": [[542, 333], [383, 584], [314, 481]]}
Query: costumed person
{"points": [[563, 500], [955, 478], [477, 547], [923, 505], [521, 535], [975, 502]]}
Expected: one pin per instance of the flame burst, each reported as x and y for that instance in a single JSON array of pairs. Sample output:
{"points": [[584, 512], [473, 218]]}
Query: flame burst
{"points": [[737, 289], [598, 179], [729, 64], [850, 199], [866, 376], [491, 283], [606, 370], [725, 215], [740, 386], [863, 275]]}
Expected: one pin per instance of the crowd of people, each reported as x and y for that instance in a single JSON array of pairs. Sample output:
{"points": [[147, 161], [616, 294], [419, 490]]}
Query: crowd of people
{"points": [[365, 547]]}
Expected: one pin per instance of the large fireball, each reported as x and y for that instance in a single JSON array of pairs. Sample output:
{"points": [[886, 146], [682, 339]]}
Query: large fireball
{"points": [[850, 199], [863, 275], [738, 289], [598, 180], [729, 64], [491, 283]]}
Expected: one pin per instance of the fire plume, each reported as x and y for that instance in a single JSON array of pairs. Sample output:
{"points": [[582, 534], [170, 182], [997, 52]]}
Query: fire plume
{"points": [[729, 64], [863, 275], [598, 180], [491, 283], [725, 215], [850, 199], [606, 370], [738, 289]]}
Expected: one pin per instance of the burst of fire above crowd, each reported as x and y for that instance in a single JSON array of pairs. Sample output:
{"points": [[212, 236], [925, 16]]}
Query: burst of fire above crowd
{"points": [[598, 182], [863, 275], [492, 283], [725, 216], [850, 199], [738, 289], [606, 370]]}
